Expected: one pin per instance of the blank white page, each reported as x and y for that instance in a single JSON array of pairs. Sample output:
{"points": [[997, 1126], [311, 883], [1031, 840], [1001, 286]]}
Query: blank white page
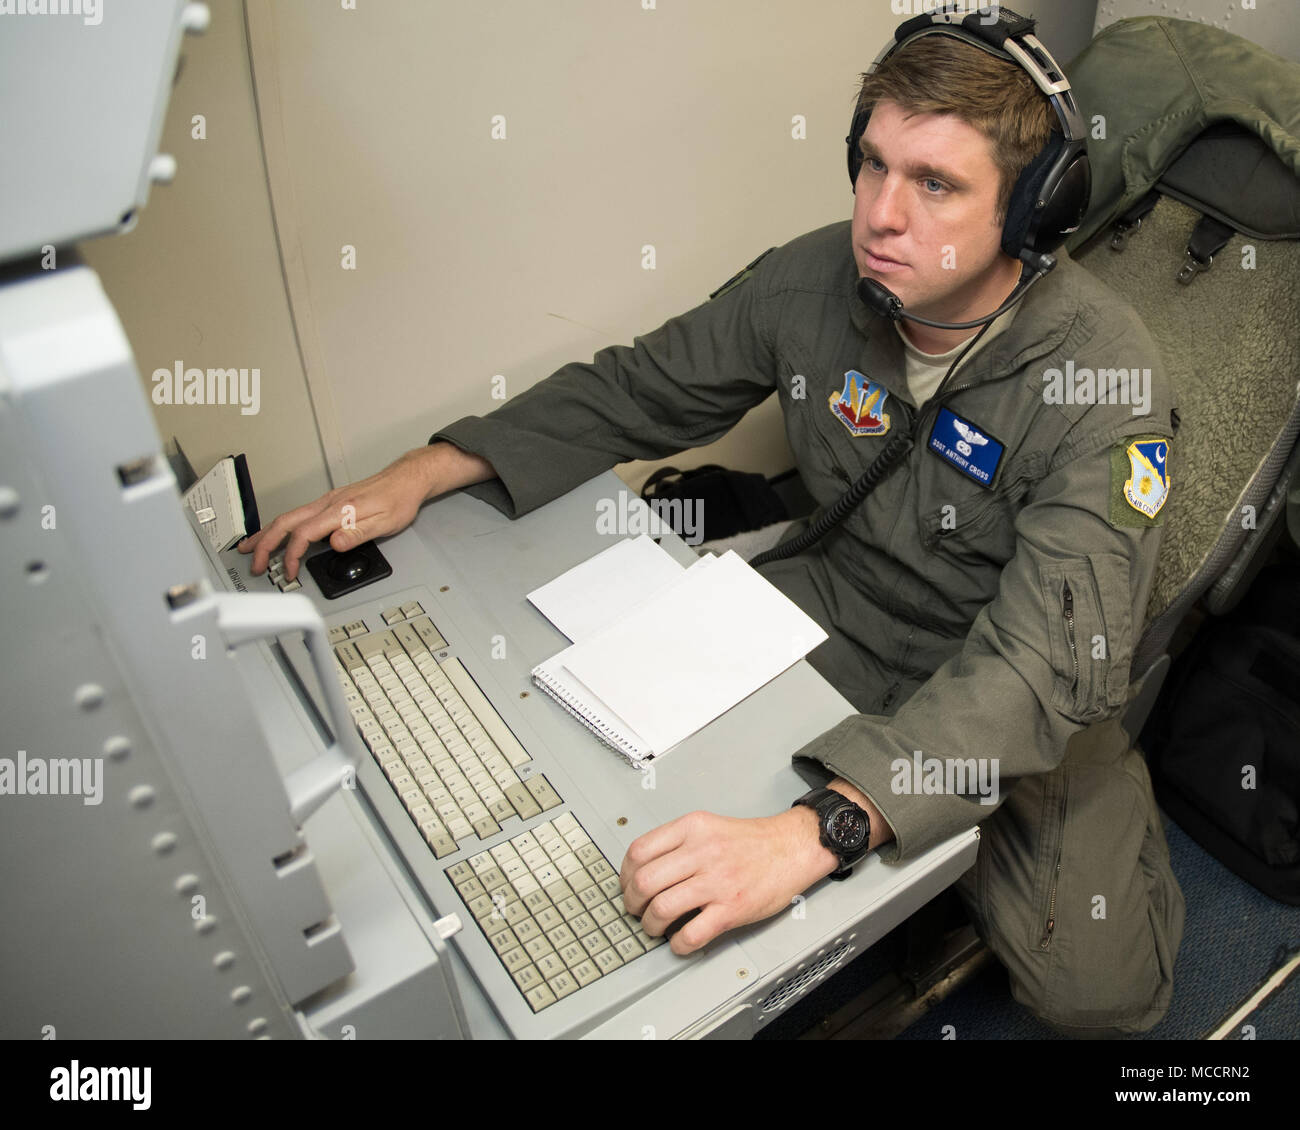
{"points": [[673, 665]]}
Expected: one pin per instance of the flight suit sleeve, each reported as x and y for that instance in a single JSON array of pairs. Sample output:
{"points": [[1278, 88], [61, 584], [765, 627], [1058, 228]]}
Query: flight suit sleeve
{"points": [[1050, 654], [683, 385]]}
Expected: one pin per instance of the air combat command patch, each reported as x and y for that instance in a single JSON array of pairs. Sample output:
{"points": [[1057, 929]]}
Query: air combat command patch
{"points": [[860, 406], [1139, 481]]}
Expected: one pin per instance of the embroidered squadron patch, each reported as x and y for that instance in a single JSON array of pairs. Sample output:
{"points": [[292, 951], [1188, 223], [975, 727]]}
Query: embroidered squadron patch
{"points": [[1139, 481], [860, 406]]}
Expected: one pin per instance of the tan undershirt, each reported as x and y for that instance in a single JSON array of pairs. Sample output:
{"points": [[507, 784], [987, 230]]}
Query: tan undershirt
{"points": [[926, 370]]}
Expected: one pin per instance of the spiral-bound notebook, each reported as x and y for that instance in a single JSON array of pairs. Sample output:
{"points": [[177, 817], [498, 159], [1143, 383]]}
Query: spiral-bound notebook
{"points": [[676, 661]]}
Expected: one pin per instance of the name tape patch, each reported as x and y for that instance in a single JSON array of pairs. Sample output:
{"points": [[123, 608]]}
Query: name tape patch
{"points": [[970, 449]]}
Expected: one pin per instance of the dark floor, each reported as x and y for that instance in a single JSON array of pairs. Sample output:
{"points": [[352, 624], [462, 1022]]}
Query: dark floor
{"points": [[1234, 936]]}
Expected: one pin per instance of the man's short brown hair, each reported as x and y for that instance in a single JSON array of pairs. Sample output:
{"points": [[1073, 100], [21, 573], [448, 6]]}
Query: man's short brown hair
{"points": [[938, 74]]}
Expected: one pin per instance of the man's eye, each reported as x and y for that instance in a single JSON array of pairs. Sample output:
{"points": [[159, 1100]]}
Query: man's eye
{"points": [[934, 187], [875, 164]]}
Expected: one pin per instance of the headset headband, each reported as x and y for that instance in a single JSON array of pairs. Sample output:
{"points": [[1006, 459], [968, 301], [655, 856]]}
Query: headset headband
{"points": [[1010, 37]]}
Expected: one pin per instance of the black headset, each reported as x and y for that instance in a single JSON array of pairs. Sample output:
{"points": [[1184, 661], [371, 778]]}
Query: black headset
{"points": [[1050, 197]]}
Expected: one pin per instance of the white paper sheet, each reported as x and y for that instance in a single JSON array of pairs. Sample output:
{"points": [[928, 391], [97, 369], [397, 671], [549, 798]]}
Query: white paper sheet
{"points": [[671, 666]]}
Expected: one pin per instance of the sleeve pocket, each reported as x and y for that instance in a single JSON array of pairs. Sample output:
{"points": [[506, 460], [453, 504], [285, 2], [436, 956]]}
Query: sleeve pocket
{"points": [[1089, 622]]}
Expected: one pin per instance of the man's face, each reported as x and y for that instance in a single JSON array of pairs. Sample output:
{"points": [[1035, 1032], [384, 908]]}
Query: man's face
{"points": [[924, 211]]}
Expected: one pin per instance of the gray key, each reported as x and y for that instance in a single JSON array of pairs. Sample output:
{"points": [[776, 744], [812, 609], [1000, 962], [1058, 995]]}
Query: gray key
{"points": [[486, 828], [585, 973], [595, 942], [629, 948], [549, 965], [539, 946], [562, 985], [604, 914], [527, 977], [503, 940], [546, 797], [600, 870], [573, 955], [540, 997], [616, 932], [410, 639], [549, 918], [561, 936], [608, 960], [522, 799], [428, 633], [593, 896], [581, 925], [471, 888]]}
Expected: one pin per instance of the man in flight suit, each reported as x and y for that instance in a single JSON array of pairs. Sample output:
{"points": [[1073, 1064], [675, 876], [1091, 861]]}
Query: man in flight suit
{"points": [[982, 603]]}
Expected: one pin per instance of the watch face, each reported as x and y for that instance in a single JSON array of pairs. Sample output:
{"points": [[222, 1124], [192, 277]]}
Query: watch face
{"points": [[848, 829]]}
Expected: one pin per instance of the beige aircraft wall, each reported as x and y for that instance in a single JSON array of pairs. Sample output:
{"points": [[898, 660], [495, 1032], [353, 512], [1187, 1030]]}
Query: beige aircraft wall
{"points": [[465, 192]]}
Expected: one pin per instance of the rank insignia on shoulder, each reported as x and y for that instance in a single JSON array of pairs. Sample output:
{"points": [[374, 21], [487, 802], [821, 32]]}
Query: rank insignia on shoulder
{"points": [[860, 407], [740, 276], [1139, 481]]}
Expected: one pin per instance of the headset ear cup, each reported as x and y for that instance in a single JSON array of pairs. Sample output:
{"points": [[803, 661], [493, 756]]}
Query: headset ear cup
{"points": [[856, 130], [1026, 193]]}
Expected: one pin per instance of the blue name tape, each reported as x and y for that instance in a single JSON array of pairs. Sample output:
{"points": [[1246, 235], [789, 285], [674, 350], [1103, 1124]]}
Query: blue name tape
{"points": [[972, 451]]}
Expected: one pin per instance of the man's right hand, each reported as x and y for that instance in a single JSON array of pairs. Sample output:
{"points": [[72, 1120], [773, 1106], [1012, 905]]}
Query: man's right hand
{"points": [[375, 507]]}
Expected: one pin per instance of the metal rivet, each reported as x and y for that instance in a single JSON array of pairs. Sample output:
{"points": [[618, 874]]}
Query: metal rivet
{"points": [[187, 884], [742, 973], [445, 588], [523, 694], [258, 1026], [164, 843], [117, 747], [224, 960], [240, 994], [8, 502], [622, 820], [89, 696], [142, 796], [206, 924]]}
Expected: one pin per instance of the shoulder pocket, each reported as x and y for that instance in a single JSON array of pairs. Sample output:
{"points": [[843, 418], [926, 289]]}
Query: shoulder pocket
{"points": [[1089, 624]]}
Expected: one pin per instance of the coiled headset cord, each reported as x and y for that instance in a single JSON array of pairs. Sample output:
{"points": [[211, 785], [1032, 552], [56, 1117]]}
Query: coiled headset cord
{"points": [[895, 451]]}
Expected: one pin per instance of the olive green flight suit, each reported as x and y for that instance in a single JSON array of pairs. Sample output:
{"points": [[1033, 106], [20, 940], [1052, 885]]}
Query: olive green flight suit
{"points": [[967, 619]]}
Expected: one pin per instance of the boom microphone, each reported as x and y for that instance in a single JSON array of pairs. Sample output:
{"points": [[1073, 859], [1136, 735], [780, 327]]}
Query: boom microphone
{"points": [[887, 304]]}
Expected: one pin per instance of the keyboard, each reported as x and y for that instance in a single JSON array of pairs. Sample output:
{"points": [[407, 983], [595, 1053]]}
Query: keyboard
{"points": [[552, 909], [547, 899], [446, 751]]}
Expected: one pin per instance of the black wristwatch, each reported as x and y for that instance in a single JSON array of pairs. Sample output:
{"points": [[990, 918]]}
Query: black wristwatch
{"points": [[845, 827]]}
